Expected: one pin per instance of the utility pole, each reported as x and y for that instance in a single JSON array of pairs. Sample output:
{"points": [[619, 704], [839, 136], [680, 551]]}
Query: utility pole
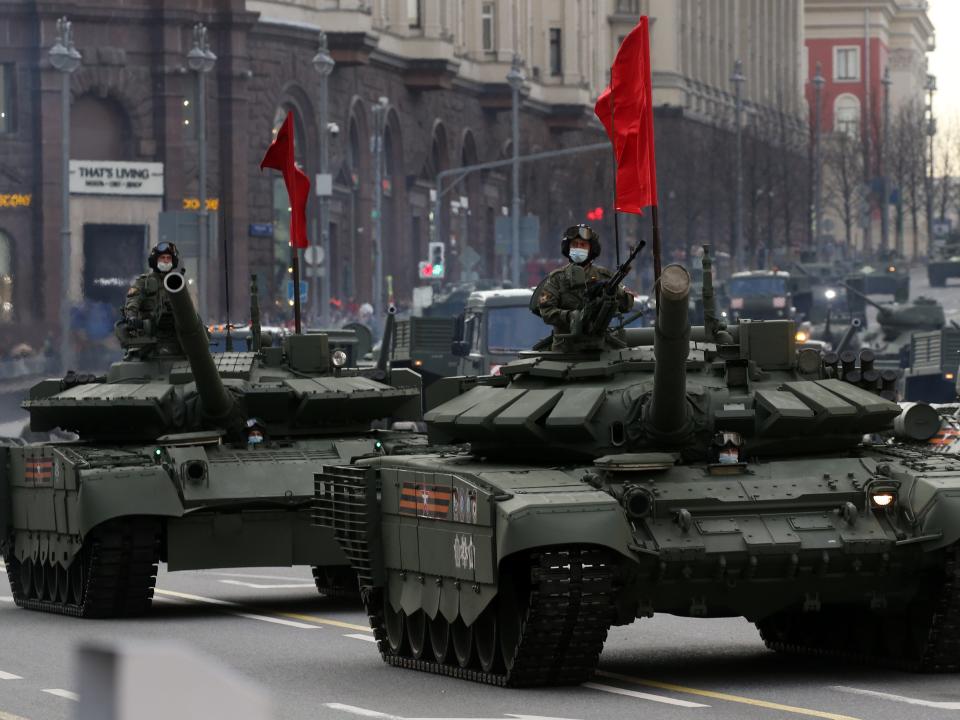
{"points": [[376, 143], [737, 79], [65, 58], [323, 64], [201, 60], [818, 83], [931, 87], [516, 79], [882, 159]]}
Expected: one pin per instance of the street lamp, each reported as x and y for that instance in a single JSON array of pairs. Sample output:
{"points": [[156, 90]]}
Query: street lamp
{"points": [[65, 58], [379, 121], [882, 158], [737, 79], [930, 87], [201, 60], [516, 79], [818, 83], [323, 64]]}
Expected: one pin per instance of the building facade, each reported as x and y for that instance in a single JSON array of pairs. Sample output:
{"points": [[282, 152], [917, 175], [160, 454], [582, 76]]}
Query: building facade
{"points": [[874, 128]]}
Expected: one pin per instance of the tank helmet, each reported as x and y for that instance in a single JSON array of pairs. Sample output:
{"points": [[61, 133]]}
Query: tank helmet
{"points": [[255, 424], [163, 248], [583, 232]]}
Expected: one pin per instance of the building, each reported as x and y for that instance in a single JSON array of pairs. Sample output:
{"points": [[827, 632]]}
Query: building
{"points": [[854, 43]]}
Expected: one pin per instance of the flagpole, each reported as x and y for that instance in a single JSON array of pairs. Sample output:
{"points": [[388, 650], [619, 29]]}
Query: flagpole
{"points": [[295, 264], [616, 215], [226, 280]]}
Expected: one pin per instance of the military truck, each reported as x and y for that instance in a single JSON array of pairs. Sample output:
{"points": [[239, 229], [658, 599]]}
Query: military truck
{"points": [[944, 259], [760, 295], [934, 359], [699, 471], [190, 458], [496, 325]]}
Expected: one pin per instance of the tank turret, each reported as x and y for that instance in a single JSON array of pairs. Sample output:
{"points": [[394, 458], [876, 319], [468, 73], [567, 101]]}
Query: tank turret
{"points": [[895, 318], [217, 405]]}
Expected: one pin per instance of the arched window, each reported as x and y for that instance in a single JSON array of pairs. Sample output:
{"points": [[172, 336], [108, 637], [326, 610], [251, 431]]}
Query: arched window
{"points": [[6, 279], [105, 128], [846, 114]]}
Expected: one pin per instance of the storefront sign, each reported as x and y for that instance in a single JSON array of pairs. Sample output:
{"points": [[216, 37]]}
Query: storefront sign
{"points": [[12, 200], [115, 177], [194, 203], [261, 230]]}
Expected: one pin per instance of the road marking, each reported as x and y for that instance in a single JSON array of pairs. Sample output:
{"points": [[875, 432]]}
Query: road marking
{"points": [[358, 636], [4, 598], [257, 586], [364, 712], [899, 698], [286, 578], [63, 693], [10, 716], [305, 621], [9, 676], [726, 697], [643, 695]]}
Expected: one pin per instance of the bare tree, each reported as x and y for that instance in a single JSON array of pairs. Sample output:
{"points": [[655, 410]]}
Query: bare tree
{"points": [[843, 179]]}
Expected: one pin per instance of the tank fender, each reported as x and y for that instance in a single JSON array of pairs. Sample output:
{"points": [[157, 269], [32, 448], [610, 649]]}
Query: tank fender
{"points": [[595, 518], [107, 493], [942, 515]]}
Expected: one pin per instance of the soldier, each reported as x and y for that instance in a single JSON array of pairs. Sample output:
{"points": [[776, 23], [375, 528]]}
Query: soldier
{"points": [[560, 297], [147, 312]]}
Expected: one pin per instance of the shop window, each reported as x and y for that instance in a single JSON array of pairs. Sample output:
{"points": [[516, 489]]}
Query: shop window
{"points": [[8, 99]]}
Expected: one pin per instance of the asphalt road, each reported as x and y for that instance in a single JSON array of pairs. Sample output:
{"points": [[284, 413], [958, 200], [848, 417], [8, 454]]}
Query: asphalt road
{"points": [[315, 659]]}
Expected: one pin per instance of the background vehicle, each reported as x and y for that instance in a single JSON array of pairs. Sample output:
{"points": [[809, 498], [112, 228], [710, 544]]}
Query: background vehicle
{"points": [[759, 295], [496, 325]]}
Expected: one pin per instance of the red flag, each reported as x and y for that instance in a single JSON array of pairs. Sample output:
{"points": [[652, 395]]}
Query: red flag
{"points": [[279, 156], [626, 109]]}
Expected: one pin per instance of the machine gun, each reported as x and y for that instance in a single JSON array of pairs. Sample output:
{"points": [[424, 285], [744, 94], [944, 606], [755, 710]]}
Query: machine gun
{"points": [[601, 300]]}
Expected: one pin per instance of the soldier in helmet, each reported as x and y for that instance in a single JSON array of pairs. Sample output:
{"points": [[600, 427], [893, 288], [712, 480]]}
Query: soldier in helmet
{"points": [[146, 312], [561, 295]]}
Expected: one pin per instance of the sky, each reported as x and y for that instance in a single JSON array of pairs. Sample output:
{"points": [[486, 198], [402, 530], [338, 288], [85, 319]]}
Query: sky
{"points": [[945, 60]]}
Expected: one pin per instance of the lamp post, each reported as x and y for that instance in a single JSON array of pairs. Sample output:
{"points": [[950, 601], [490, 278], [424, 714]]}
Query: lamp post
{"points": [[882, 159], [201, 60], [323, 64], [930, 87], [65, 58], [516, 80], [376, 143], [737, 79], [818, 83]]}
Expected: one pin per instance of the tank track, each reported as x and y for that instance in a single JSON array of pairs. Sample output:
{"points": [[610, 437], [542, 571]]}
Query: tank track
{"points": [[924, 638], [338, 582], [119, 565], [563, 626]]}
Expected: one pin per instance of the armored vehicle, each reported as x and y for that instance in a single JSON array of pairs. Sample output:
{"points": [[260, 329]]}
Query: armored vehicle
{"points": [[931, 376], [891, 277], [760, 295], [699, 471], [496, 325], [944, 262], [194, 459], [422, 344]]}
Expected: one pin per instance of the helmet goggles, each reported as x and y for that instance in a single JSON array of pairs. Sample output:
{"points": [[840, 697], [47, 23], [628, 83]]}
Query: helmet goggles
{"points": [[584, 232]]}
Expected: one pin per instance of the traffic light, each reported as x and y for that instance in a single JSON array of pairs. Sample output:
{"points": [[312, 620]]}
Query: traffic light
{"points": [[435, 259], [596, 214]]}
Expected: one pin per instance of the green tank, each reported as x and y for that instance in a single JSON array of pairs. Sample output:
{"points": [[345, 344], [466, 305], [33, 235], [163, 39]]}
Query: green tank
{"points": [[168, 468], [699, 471]]}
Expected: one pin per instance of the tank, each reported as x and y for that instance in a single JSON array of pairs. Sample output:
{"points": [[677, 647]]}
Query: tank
{"points": [[704, 471], [891, 276], [944, 259], [167, 467]]}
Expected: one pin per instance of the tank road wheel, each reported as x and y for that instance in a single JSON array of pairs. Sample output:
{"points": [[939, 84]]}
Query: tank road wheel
{"points": [[487, 640], [50, 579], [26, 578], [462, 637], [417, 634], [63, 585], [394, 623], [77, 576], [511, 612], [39, 580], [439, 631]]}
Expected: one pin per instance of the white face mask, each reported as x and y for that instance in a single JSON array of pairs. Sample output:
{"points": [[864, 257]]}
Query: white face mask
{"points": [[255, 439], [164, 266], [578, 255]]}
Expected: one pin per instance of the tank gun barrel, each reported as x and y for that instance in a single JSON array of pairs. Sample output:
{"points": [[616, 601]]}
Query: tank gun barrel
{"points": [[386, 343], [667, 410], [217, 403], [863, 297]]}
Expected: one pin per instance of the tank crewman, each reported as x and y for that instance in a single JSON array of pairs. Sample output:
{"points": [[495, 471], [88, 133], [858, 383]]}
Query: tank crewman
{"points": [[561, 295], [147, 312], [255, 431]]}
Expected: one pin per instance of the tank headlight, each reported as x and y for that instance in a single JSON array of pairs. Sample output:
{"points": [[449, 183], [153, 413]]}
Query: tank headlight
{"points": [[338, 358], [830, 294], [949, 376], [418, 363], [801, 336], [883, 499], [892, 268]]}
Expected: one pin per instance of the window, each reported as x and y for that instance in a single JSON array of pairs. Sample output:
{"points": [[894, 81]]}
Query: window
{"points": [[487, 23], [414, 14], [628, 7], [556, 55], [7, 100], [846, 114], [6, 279], [846, 63]]}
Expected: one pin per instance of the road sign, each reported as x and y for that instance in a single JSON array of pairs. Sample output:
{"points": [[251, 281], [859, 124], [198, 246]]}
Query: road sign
{"points": [[313, 255], [304, 285]]}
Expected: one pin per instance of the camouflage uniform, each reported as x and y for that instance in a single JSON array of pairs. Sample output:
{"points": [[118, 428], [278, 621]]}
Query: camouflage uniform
{"points": [[559, 298], [147, 303]]}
